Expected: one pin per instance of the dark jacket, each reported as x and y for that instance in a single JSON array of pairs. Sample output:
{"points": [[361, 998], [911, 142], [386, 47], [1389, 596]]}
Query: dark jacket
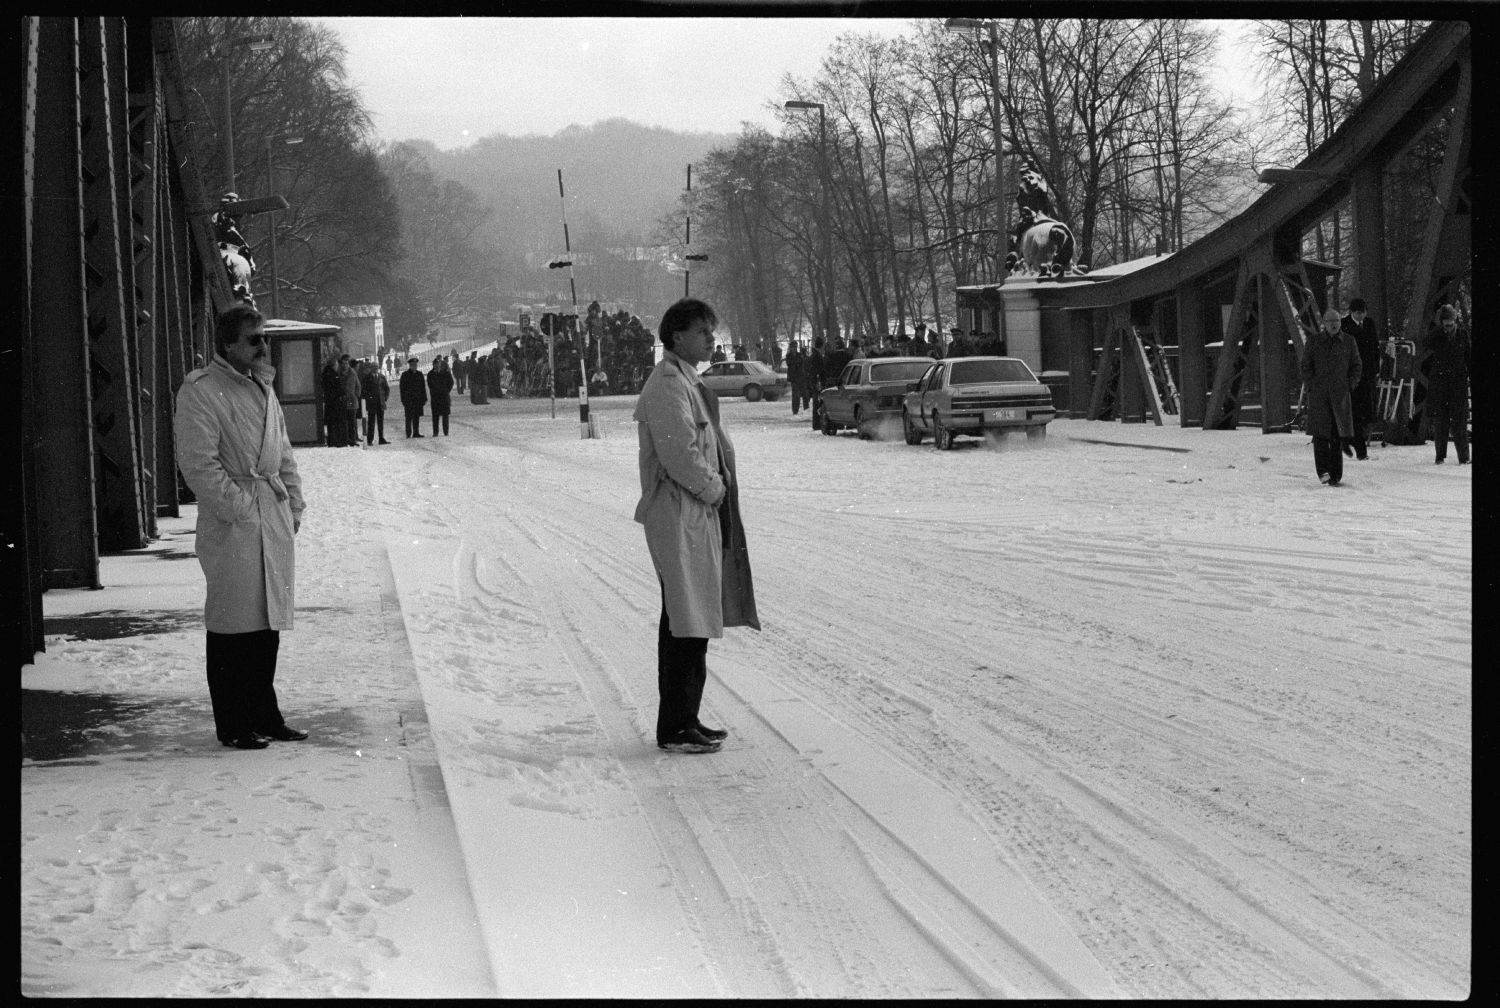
{"points": [[333, 385], [413, 389], [1448, 367], [1368, 344], [440, 384], [1330, 369], [375, 388]]}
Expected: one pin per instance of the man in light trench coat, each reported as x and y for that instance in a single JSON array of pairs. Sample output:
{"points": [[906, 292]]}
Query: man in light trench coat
{"points": [[690, 507], [233, 451]]}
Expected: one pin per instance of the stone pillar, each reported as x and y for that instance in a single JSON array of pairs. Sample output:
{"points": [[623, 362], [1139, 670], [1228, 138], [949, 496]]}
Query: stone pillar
{"points": [[1080, 361], [1023, 324]]}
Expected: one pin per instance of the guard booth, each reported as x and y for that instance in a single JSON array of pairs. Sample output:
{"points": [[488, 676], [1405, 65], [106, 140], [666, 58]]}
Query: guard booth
{"points": [[298, 350]]}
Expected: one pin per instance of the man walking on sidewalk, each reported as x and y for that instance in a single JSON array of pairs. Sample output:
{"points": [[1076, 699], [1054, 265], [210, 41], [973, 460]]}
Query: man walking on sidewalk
{"points": [[1330, 369], [233, 450], [690, 507]]}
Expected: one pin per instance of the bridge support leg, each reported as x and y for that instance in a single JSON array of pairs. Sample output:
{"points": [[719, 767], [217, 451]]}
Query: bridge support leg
{"points": [[1192, 360], [65, 446]]}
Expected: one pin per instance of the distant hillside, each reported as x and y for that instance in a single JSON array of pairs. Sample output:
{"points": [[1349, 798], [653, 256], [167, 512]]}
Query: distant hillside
{"points": [[620, 177]]}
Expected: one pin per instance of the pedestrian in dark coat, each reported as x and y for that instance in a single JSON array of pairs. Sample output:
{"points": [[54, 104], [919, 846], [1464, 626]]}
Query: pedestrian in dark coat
{"points": [[332, 384], [375, 389], [690, 509], [1447, 403], [796, 366], [814, 369], [1330, 370], [439, 386], [479, 381], [413, 397], [351, 400], [460, 374], [1362, 329]]}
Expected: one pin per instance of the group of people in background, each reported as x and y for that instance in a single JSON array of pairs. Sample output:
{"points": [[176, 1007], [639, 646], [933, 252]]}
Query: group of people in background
{"points": [[1340, 367]]}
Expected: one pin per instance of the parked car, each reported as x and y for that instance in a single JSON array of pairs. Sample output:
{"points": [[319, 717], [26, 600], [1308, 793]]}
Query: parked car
{"points": [[748, 378], [971, 395], [870, 390]]}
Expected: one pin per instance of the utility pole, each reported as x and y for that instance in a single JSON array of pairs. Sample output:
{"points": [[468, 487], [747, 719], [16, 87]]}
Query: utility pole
{"points": [[583, 368]]}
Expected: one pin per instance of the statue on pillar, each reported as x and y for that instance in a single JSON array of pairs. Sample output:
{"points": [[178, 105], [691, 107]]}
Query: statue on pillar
{"points": [[1040, 243]]}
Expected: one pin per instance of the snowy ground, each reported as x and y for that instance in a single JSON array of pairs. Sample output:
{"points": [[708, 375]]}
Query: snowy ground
{"points": [[1156, 718]]}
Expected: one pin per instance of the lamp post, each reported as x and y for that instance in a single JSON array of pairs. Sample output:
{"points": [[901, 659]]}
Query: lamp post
{"points": [[830, 313], [271, 224], [1272, 176], [1000, 188], [256, 43]]}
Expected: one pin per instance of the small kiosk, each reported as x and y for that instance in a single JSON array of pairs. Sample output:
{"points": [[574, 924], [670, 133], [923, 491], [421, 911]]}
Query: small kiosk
{"points": [[298, 350]]}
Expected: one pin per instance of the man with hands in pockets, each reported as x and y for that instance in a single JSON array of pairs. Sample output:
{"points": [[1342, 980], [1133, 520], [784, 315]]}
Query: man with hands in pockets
{"points": [[233, 450], [690, 509]]}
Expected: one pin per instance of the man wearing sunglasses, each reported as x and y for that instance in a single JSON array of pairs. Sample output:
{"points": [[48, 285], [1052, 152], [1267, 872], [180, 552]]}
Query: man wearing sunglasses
{"points": [[233, 450]]}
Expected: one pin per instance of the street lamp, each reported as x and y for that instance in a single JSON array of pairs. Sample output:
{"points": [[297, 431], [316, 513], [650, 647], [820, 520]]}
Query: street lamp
{"points": [[255, 43], [271, 223], [960, 23], [830, 312]]}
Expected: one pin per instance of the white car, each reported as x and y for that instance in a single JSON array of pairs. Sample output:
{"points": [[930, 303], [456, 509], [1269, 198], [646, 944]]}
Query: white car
{"points": [[749, 378], [971, 395]]}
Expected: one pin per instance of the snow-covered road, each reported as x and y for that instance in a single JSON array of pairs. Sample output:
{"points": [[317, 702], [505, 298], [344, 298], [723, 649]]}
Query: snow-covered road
{"points": [[1133, 711], [1025, 720]]}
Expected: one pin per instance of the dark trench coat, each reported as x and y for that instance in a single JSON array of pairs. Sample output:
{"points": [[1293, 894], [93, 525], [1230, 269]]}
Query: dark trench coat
{"points": [[1330, 369]]}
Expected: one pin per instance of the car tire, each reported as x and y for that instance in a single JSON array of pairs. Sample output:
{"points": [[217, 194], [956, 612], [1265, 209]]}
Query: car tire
{"points": [[829, 427], [753, 393], [1036, 433], [861, 429], [942, 437], [909, 429]]}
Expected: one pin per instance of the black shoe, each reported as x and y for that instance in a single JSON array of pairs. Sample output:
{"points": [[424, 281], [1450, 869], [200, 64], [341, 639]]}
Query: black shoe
{"points": [[1333, 482], [1438, 462], [286, 733], [712, 734], [688, 741], [384, 441], [1348, 449], [419, 435], [251, 741], [1463, 461]]}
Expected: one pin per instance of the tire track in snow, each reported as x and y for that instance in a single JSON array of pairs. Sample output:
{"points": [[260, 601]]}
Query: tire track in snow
{"points": [[567, 541]]}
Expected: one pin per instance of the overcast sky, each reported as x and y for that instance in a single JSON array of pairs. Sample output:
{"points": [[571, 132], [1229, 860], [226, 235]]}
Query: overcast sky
{"points": [[454, 80]]}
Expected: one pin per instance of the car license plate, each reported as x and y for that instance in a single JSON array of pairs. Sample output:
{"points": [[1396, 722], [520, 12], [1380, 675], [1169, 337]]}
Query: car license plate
{"points": [[993, 415]]}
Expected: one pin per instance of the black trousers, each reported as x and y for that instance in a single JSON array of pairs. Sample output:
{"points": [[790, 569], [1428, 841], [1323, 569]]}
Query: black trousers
{"points": [[1448, 416], [333, 416], [374, 423], [799, 398], [1328, 457], [436, 416], [241, 682], [413, 420], [681, 671], [1362, 405]]}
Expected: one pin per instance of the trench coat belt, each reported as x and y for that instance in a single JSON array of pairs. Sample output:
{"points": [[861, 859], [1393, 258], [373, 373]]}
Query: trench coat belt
{"points": [[274, 479]]}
